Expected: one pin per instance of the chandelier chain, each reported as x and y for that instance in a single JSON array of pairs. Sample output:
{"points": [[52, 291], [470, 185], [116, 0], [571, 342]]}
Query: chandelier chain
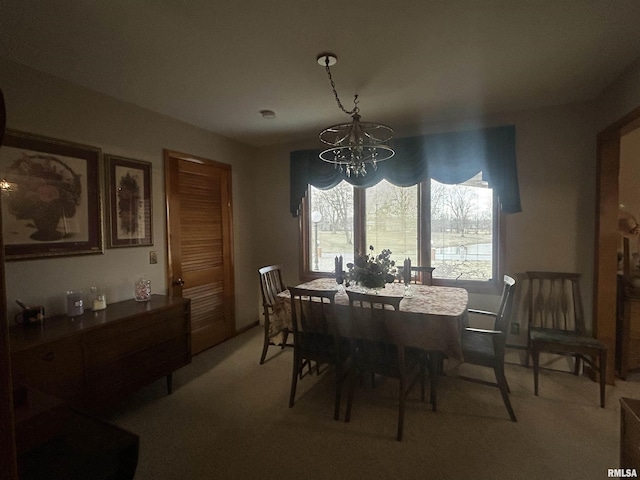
{"points": [[355, 109]]}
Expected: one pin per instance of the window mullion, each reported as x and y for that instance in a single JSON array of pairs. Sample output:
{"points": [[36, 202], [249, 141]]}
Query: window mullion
{"points": [[359, 220], [424, 223]]}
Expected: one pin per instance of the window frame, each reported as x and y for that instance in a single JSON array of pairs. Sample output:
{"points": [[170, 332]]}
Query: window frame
{"points": [[492, 286]]}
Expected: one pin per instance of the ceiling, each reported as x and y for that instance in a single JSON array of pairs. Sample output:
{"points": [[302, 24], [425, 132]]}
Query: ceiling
{"points": [[217, 64]]}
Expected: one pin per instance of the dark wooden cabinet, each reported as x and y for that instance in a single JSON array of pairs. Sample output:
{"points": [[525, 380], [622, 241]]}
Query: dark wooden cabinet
{"points": [[627, 329], [630, 351], [96, 359], [630, 433]]}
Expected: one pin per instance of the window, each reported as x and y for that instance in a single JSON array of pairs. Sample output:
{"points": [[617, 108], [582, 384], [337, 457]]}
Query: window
{"points": [[462, 231], [392, 220], [330, 222], [451, 227]]}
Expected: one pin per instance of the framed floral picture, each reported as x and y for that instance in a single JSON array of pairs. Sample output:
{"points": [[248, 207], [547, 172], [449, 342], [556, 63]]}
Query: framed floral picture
{"points": [[51, 197], [129, 202]]}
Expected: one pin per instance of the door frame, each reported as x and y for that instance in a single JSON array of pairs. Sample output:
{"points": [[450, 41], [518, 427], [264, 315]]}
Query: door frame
{"points": [[606, 234]]}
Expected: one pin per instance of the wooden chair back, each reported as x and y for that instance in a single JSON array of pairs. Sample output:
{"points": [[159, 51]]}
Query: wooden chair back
{"points": [[555, 302], [271, 284], [369, 315], [504, 312], [423, 275], [313, 321]]}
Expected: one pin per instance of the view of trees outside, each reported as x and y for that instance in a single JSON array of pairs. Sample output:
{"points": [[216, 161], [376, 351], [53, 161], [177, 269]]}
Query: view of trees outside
{"points": [[462, 230], [461, 226], [392, 220], [333, 232]]}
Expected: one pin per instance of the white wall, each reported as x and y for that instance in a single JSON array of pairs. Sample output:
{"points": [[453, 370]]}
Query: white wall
{"points": [[41, 104], [619, 98]]}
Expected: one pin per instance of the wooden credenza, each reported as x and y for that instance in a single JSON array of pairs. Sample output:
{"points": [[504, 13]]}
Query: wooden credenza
{"points": [[629, 433], [96, 359], [628, 334]]}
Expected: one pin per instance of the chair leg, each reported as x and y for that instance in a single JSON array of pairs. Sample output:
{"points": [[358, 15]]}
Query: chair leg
{"points": [[284, 339], [603, 376], [352, 387], [423, 374], [576, 365], [297, 367], [336, 409], [504, 390], [536, 367], [434, 361], [403, 396], [265, 345]]}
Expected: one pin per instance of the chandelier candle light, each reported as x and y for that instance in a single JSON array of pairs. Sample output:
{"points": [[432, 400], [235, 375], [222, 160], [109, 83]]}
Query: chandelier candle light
{"points": [[353, 145]]}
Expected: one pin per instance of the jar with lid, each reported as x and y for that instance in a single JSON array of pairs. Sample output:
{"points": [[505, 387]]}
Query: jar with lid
{"points": [[75, 305], [142, 291], [99, 299]]}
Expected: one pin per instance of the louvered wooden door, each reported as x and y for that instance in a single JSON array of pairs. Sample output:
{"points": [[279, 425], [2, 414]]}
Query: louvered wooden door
{"points": [[199, 242]]}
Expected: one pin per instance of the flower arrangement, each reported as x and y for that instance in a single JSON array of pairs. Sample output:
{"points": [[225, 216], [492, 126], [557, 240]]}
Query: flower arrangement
{"points": [[372, 271]]}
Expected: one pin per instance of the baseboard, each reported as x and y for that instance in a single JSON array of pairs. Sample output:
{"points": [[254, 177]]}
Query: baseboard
{"points": [[246, 328]]}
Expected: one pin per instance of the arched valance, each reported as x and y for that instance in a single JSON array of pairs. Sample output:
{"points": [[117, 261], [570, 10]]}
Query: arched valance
{"points": [[450, 158]]}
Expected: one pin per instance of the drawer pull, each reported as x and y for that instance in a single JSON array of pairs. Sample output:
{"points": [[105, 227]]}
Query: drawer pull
{"points": [[49, 356]]}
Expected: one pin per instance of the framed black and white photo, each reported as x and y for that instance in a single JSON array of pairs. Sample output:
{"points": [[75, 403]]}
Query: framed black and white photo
{"points": [[51, 197], [129, 202]]}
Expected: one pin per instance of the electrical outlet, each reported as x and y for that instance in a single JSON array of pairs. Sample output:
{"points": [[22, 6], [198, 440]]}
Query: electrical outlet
{"points": [[515, 328], [153, 257]]}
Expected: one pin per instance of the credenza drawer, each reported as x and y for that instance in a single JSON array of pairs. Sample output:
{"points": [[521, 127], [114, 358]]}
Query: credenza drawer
{"points": [[105, 347], [138, 368], [629, 433], [54, 368]]}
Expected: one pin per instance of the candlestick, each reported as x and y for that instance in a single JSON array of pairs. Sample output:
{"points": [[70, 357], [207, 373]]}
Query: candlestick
{"points": [[407, 271]]}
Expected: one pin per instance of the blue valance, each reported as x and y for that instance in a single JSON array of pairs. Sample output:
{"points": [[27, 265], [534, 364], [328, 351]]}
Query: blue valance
{"points": [[450, 158]]}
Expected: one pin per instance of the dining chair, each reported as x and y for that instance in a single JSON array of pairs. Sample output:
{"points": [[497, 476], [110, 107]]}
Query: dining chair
{"points": [[556, 325], [316, 338], [377, 346], [422, 275], [271, 285], [485, 347]]}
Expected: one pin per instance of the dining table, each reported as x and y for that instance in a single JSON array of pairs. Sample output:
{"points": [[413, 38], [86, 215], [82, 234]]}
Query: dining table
{"points": [[440, 311]]}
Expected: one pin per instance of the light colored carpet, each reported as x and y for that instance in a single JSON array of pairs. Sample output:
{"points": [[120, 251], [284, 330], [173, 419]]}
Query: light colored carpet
{"points": [[228, 418]]}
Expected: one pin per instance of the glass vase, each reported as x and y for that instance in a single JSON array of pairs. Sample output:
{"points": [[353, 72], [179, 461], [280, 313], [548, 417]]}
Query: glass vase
{"points": [[142, 289]]}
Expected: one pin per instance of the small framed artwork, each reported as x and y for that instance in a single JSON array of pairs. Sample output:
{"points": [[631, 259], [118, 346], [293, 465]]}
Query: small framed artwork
{"points": [[129, 202], [51, 197]]}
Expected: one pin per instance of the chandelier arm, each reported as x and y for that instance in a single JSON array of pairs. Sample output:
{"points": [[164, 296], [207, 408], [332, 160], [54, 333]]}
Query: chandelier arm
{"points": [[335, 93]]}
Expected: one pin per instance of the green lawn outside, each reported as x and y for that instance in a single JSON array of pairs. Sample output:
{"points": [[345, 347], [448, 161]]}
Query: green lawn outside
{"points": [[402, 245]]}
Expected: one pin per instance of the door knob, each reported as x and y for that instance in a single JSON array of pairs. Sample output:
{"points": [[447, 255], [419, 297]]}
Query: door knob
{"points": [[179, 282]]}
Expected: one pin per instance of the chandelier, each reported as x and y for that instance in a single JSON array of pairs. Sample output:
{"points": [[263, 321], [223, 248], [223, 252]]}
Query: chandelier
{"points": [[355, 144]]}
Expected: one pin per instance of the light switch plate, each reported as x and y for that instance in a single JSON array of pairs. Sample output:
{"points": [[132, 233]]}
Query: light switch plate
{"points": [[153, 257]]}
